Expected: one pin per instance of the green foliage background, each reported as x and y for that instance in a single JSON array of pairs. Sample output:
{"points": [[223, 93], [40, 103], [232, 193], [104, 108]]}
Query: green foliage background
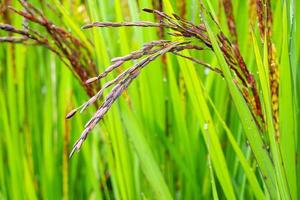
{"points": [[179, 132]]}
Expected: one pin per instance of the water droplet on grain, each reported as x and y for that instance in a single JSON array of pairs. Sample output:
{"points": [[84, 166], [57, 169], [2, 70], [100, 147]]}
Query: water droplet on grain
{"points": [[205, 126], [206, 71]]}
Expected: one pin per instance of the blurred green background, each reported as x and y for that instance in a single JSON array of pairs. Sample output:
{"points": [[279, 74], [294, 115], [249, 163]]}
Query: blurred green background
{"points": [[151, 144]]}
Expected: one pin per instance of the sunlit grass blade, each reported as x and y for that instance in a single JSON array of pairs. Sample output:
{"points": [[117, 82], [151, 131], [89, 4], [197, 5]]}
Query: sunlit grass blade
{"points": [[148, 163], [69, 22], [251, 130], [287, 127], [246, 167], [207, 126]]}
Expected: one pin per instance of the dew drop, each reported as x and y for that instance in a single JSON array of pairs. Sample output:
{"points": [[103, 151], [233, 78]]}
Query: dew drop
{"points": [[205, 126], [206, 71]]}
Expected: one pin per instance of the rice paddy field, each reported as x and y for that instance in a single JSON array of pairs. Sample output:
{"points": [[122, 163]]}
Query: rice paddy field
{"points": [[149, 99]]}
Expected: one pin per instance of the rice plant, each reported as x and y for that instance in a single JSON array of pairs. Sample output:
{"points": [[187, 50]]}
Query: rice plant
{"points": [[176, 99]]}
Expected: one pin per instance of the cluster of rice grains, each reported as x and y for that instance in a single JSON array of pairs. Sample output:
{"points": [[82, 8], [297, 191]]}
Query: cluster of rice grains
{"points": [[71, 50], [79, 58], [273, 68], [264, 13], [179, 28]]}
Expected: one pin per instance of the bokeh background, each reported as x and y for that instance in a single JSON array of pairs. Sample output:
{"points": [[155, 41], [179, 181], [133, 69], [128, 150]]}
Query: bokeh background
{"points": [[150, 144]]}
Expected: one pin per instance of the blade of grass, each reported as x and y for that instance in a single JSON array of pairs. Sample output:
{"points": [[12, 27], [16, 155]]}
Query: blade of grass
{"points": [[214, 188], [148, 163], [73, 25], [250, 128], [246, 167], [287, 127], [207, 125], [264, 81]]}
